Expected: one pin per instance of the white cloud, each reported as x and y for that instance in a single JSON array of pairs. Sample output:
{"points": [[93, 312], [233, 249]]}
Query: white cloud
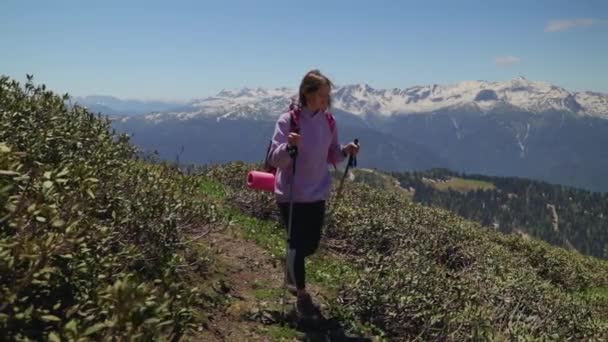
{"points": [[506, 60], [562, 25]]}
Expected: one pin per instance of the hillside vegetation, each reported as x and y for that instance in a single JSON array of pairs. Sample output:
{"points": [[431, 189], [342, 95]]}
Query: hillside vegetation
{"points": [[91, 236], [420, 272]]}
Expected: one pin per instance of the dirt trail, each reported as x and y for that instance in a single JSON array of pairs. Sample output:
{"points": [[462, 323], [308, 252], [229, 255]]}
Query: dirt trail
{"points": [[253, 281]]}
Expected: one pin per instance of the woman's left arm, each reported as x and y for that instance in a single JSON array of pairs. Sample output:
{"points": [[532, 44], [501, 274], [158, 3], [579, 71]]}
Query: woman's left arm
{"points": [[336, 149]]}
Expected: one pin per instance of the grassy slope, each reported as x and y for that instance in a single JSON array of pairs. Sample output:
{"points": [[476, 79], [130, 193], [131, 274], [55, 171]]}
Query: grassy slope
{"points": [[425, 272], [461, 184]]}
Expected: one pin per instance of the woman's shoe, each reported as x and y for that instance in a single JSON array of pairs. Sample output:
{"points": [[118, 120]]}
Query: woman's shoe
{"points": [[305, 307]]}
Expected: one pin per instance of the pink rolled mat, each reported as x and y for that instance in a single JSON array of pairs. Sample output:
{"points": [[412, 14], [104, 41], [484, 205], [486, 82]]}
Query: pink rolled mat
{"points": [[258, 180]]}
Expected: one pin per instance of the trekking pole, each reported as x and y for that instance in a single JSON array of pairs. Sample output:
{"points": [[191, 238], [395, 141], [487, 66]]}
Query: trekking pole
{"points": [[352, 161], [293, 153]]}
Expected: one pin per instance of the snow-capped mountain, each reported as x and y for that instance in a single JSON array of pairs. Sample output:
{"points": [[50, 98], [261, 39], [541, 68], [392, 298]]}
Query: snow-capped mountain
{"points": [[594, 104], [245, 103], [529, 96], [363, 100]]}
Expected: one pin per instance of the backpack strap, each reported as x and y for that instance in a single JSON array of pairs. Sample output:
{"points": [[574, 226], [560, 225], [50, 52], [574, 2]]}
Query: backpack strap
{"points": [[331, 121], [294, 119], [267, 167], [332, 128]]}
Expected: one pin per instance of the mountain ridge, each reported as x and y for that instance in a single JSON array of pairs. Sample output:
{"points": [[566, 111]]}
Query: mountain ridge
{"points": [[363, 100]]}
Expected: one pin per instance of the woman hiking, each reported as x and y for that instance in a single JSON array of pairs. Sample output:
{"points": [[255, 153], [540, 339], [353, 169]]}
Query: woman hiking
{"points": [[309, 129]]}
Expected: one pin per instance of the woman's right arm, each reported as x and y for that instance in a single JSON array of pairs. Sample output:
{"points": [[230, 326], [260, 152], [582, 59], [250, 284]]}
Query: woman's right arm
{"points": [[278, 155]]}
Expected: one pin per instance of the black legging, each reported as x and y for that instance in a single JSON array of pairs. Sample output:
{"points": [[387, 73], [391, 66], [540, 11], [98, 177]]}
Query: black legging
{"points": [[306, 227]]}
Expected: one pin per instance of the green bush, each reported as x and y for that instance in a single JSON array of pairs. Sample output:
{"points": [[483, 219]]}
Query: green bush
{"points": [[90, 235]]}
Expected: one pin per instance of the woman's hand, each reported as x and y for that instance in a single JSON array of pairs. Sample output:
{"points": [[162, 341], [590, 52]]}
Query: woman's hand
{"points": [[293, 139], [351, 149]]}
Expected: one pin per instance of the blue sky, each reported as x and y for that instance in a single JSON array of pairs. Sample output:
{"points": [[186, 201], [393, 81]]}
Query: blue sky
{"points": [[190, 49]]}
